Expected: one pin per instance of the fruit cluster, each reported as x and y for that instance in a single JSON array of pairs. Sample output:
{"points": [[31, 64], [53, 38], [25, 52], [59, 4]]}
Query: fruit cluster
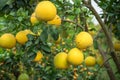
{"points": [[75, 56], [45, 11]]}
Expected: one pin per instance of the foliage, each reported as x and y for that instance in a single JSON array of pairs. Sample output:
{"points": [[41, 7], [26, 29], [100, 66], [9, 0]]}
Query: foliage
{"points": [[15, 16], [111, 12]]}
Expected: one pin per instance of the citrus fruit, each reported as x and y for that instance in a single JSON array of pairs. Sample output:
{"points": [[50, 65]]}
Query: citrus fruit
{"points": [[23, 76], [45, 10], [39, 56], [75, 56], [33, 19], [21, 36], [117, 46], [56, 21], [7, 40], [100, 60], [60, 60], [83, 40], [90, 61]]}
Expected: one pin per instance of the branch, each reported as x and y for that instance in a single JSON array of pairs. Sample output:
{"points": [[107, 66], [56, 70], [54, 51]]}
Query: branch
{"points": [[104, 63], [106, 32], [96, 72], [64, 20], [96, 1], [107, 64], [88, 4]]}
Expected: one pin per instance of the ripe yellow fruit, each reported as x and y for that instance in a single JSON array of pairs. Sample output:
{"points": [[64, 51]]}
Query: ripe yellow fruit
{"points": [[90, 61], [56, 21], [75, 56], [83, 40], [21, 36], [38, 57], [117, 46], [7, 40], [33, 19], [60, 60], [45, 10]]}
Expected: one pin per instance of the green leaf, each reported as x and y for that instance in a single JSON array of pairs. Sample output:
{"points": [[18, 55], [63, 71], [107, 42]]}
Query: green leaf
{"points": [[28, 44], [30, 37], [95, 44], [32, 55], [10, 1], [45, 48], [44, 35], [37, 41], [77, 11], [3, 3], [20, 19], [54, 33]]}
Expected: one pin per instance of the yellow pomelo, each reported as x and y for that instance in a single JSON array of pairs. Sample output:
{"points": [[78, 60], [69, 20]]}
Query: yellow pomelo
{"points": [[83, 40], [45, 10], [7, 40], [60, 60], [39, 56], [90, 61], [33, 19], [117, 46], [75, 56], [21, 36], [56, 21]]}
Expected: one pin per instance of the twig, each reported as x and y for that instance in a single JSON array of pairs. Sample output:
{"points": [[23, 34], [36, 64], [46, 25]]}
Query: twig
{"points": [[96, 1], [106, 64], [106, 32], [64, 20], [96, 72]]}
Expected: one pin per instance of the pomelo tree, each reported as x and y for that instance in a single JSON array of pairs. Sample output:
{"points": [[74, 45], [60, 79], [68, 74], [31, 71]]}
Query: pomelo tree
{"points": [[52, 29]]}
